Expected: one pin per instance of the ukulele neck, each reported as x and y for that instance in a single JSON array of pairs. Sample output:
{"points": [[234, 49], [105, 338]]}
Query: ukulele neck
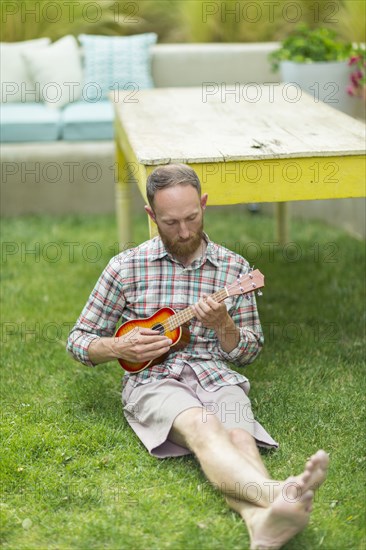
{"points": [[187, 314], [254, 280]]}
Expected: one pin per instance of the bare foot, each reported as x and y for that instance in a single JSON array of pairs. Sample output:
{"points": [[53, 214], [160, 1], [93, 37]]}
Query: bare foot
{"points": [[316, 468], [270, 528], [288, 512], [311, 478]]}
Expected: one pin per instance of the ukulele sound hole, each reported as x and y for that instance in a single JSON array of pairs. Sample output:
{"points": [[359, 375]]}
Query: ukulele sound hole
{"points": [[159, 327]]}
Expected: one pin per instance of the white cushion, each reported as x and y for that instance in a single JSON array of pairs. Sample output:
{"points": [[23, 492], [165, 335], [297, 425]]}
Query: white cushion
{"points": [[13, 70], [57, 68]]}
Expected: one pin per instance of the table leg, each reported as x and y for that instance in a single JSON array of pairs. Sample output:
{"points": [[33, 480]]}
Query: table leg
{"points": [[282, 218], [123, 200]]}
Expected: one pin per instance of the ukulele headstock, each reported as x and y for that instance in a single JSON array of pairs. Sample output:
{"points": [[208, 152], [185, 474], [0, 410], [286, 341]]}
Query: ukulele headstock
{"points": [[245, 283]]}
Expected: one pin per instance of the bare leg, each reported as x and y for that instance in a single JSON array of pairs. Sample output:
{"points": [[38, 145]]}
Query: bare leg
{"points": [[274, 511], [232, 472], [315, 469], [247, 446], [289, 511]]}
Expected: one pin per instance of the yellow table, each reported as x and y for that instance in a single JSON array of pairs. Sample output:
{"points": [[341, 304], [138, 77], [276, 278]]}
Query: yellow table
{"points": [[276, 145]]}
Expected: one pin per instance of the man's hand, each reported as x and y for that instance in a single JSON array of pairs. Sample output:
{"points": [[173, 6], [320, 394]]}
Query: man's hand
{"points": [[215, 316], [210, 313], [137, 346], [141, 344]]}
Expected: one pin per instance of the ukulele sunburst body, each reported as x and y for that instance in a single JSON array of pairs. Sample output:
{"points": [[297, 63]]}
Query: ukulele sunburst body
{"points": [[174, 325], [179, 336]]}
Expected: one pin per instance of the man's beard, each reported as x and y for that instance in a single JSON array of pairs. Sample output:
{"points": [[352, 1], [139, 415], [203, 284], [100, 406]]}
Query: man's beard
{"points": [[183, 249]]}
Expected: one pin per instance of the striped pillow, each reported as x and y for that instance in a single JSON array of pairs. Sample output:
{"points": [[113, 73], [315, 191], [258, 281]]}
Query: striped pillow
{"points": [[116, 63]]}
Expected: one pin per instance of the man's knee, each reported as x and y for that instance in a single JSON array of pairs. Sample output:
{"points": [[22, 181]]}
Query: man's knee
{"points": [[195, 427], [240, 437]]}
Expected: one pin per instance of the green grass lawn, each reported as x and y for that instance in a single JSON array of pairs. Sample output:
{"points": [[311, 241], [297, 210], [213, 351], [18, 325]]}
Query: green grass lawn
{"points": [[75, 476]]}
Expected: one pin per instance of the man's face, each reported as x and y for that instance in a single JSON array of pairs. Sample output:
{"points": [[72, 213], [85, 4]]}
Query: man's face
{"points": [[178, 213]]}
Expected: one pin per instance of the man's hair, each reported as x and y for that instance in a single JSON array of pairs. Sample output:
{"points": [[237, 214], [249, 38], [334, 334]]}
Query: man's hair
{"points": [[170, 175]]}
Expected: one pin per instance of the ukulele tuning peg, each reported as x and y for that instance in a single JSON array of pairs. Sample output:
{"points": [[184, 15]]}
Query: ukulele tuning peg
{"points": [[259, 293], [247, 297]]}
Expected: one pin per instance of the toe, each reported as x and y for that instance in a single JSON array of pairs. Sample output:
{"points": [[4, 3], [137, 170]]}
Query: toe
{"points": [[321, 458], [305, 477], [324, 458], [308, 496]]}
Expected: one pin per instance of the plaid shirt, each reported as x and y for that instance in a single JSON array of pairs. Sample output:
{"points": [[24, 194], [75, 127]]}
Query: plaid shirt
{"points": [[139, 281]]}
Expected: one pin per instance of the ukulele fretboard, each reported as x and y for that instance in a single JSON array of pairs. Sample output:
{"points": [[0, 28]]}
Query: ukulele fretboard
{"points": [[187, 314]]}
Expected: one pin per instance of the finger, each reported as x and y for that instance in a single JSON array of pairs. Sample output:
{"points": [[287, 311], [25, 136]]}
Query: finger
{"points": [[145, 337], [152, 349], [203, 307], [149, 333], [211, 302], [155, 341], [144, 330], [199, 313], [206, 299], [202, 316]]}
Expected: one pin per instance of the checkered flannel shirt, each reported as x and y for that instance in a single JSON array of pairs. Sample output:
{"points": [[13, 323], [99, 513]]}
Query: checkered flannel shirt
{"points": [[138, 282]]}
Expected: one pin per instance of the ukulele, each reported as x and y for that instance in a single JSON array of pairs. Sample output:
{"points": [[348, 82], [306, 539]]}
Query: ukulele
{"points": [[174, 325]]}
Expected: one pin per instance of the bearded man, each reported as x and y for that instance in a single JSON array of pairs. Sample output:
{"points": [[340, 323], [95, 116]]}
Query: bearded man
{"points": [[191, 401]]}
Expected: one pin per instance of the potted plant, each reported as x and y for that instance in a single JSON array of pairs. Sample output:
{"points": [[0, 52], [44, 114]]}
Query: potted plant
{"points": [[317, 62]]}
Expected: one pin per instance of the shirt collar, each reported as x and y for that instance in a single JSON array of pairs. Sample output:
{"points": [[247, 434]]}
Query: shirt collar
{"points": [[159, 251]]}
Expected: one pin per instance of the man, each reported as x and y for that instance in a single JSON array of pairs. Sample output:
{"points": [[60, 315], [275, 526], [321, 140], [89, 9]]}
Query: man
{"points": [[192, 401]]}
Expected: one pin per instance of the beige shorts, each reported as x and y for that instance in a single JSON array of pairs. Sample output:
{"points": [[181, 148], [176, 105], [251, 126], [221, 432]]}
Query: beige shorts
{"points": [[151, 409]]}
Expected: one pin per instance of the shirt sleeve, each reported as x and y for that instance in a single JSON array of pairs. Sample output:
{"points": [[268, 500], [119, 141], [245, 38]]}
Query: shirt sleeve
{"points": [[246, 318], [100, 315]]}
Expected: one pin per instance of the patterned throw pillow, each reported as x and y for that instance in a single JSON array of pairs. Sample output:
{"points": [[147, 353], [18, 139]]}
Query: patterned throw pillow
{"points": [[115, 63]]}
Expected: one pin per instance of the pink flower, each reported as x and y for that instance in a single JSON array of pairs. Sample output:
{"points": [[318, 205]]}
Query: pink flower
{"points": [[357, 79], [354, 59]]}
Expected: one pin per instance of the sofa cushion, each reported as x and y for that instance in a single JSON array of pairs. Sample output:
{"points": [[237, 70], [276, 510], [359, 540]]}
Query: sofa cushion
{"points": [[14, 78], [57, 69], [113, 62], [28, 122], [84, 121]]}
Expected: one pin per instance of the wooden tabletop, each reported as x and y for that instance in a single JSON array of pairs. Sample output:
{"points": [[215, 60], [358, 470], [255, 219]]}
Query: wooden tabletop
{"points": [[262, 122]]}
